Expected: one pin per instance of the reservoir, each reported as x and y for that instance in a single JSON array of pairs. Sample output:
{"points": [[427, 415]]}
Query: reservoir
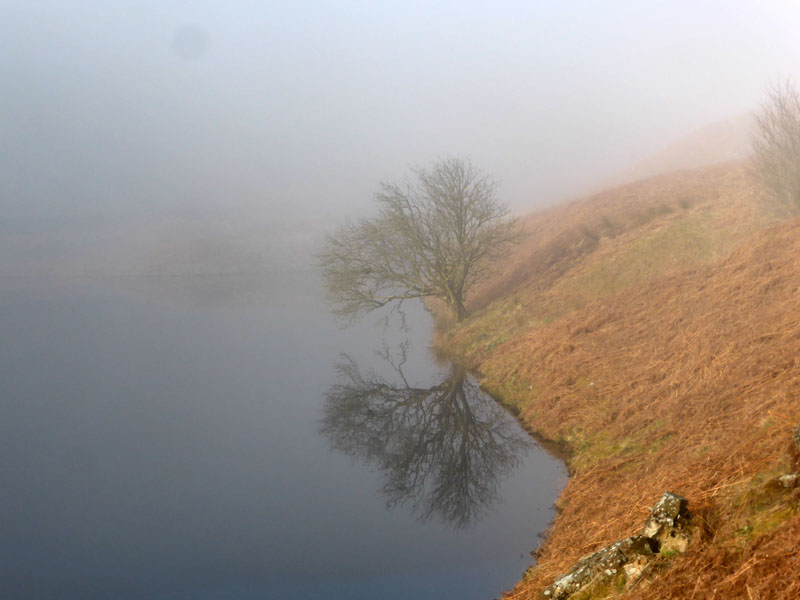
{"points": [[224, 438]]}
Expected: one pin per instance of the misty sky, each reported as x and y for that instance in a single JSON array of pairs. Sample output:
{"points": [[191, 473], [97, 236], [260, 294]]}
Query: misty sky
{"points": [[146, 107]]}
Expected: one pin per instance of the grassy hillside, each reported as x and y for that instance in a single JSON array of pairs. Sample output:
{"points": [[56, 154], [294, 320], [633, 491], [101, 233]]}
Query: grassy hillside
{"points": [[602, 245], [715, 143], [654, 331]]}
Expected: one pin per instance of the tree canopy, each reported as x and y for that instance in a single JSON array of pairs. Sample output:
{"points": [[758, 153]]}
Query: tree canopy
{"points": [[433, 236]]}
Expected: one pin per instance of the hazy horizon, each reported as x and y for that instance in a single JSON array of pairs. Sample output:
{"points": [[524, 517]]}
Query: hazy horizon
{"points": [[183, 414], [124, 110]]}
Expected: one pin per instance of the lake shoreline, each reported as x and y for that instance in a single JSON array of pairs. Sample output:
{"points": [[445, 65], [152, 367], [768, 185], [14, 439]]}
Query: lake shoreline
{"points": [[559, 450], [633, 389]]}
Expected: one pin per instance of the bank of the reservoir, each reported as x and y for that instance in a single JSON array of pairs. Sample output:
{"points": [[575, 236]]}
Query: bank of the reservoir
{"points": [[687, 381]]}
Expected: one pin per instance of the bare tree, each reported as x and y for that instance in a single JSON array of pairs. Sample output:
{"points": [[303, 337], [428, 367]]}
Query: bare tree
{"points": [[776, 144], [433, 237]]}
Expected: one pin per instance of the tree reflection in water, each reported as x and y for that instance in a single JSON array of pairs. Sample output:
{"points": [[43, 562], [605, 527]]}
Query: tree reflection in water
{"points": [[443, 449]]}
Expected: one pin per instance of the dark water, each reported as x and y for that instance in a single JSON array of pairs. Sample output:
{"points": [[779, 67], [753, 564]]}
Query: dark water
{"points": [[210, 439]]}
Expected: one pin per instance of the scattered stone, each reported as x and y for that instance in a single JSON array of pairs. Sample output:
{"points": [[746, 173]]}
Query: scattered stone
{"points": [[634, 569], [788, 481], [665, 532]]}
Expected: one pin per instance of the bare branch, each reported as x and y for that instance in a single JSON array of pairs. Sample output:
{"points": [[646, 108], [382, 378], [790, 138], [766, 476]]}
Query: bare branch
{"points": [[433, 236], [776, 144]]}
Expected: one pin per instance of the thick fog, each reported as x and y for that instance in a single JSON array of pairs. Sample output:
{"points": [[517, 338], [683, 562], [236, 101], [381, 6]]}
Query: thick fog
{"points": [[124, 110], [171, 422]]}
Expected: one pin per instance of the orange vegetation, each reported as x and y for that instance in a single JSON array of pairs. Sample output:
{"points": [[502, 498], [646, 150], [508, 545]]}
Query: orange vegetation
{"points": [[682, 377]]}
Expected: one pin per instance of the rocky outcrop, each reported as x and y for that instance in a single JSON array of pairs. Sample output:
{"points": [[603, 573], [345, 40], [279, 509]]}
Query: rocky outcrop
{"points": [[667, 523], [624, 561], [604, 564]]}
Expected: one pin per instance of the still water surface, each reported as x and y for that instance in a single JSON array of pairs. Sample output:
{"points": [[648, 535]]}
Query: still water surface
{"points": [[215, 440]]}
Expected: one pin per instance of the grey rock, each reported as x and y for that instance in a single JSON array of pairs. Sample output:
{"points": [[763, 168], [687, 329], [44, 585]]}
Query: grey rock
{"points": [[664, 530], [669, 513], [635, 568], [601, 565]]}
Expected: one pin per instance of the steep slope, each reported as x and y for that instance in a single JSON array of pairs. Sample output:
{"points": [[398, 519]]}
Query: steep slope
{"points": [[663, 359], [716, 143], [602, 245]]}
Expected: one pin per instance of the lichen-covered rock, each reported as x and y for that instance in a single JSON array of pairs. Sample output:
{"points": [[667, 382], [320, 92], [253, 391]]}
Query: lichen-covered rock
{"points": [[601, 565], [669, 513], [676, 541], [788, 481], [665, 532], [634, 569]]}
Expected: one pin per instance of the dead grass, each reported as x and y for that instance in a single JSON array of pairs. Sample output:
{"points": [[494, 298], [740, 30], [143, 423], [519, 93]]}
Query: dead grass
{"points": [[602, 245], [683, 378]]}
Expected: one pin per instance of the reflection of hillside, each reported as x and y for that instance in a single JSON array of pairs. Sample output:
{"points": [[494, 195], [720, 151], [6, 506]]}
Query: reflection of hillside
{"points": [[443, 449], [232, 246], [235, 259]]}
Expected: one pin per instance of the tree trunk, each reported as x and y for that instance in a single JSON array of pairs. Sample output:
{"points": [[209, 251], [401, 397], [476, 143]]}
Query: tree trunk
{"points": [[459, 312]]}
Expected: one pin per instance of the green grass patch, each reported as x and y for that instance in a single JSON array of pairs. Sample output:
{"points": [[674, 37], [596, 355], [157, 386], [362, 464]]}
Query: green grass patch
{"points": [[684, 241], [764, 503]]}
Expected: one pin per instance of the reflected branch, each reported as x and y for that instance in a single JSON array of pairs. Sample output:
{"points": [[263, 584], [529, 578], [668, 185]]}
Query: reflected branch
{"points": [[442, 449]]}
